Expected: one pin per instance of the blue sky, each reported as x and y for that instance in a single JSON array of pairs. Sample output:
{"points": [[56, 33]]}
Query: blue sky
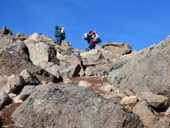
{"points": [[140, 23]]}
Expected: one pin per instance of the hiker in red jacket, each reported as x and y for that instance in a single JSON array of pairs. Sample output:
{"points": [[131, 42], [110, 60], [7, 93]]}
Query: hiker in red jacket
{"points": [[92, 38]]}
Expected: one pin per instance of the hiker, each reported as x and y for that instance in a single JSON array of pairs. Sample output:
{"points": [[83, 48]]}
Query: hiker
{"points": [[92, 39], [59, 34]]}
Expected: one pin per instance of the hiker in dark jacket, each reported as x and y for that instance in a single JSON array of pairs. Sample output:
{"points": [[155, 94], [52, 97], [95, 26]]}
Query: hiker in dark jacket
{"points": [[58, 34], [92, 38]]}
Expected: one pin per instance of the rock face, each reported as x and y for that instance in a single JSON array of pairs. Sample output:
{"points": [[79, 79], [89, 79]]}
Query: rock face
{"points": [[148, 70], [70, 106]]}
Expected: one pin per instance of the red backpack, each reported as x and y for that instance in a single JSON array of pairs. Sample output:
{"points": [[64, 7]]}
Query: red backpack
{"points": [[62, 29], [95, 36]]}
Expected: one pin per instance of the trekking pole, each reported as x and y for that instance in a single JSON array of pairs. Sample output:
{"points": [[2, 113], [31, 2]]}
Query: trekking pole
{"points": [[83, 44]]}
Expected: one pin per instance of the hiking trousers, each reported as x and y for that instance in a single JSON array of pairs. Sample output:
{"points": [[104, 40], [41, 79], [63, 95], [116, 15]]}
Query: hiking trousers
{"points": [[91, 46], [59, 41]]}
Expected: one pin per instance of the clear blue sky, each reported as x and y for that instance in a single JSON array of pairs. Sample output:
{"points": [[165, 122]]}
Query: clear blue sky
{"points": [[139, 23]]}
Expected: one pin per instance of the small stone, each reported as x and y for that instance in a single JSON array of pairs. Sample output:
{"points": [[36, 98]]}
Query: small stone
{"points": [[129, 100], [84, 84], [106, 87], [129, 93], [67, 81]]}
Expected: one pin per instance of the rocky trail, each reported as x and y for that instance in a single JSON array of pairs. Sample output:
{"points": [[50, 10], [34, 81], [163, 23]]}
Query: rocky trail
{"points": [[44, 85], [96, 86]]}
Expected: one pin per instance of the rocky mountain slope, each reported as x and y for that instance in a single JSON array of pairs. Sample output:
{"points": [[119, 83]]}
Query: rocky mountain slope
{"points": [[44, 85]]}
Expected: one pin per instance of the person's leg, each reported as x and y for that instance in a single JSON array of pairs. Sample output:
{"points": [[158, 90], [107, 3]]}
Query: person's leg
{"points": [[59, 42], [91, 45], [87, 49]]}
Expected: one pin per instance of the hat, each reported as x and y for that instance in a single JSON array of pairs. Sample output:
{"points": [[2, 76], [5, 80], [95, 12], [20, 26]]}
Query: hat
{"points": [[85, 34], [91, 32]]}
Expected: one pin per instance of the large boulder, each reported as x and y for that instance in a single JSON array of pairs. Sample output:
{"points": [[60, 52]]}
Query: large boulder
{"points": [[117, 47], [38, 37], [9, 43], [41, 50], [61, 106], [148, 70], [70, 65]]}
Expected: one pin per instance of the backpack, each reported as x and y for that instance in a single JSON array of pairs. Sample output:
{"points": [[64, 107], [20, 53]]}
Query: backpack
{"points": [[98, 39], [95, 37], [62, 29], [63, 36]]}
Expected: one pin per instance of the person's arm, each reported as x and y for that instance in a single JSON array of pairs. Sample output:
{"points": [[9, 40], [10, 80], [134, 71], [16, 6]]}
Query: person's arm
{"points": [[58, 32]]}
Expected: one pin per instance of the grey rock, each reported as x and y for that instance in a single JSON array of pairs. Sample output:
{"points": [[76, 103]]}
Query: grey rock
{"points": [[41, 51], [14, 83], [26, 91], [29, 79], [70, 66], [70, 106], [148, 71], [113, 75], [53, 69], [21, 36], [9, 43], [65, 72]]}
